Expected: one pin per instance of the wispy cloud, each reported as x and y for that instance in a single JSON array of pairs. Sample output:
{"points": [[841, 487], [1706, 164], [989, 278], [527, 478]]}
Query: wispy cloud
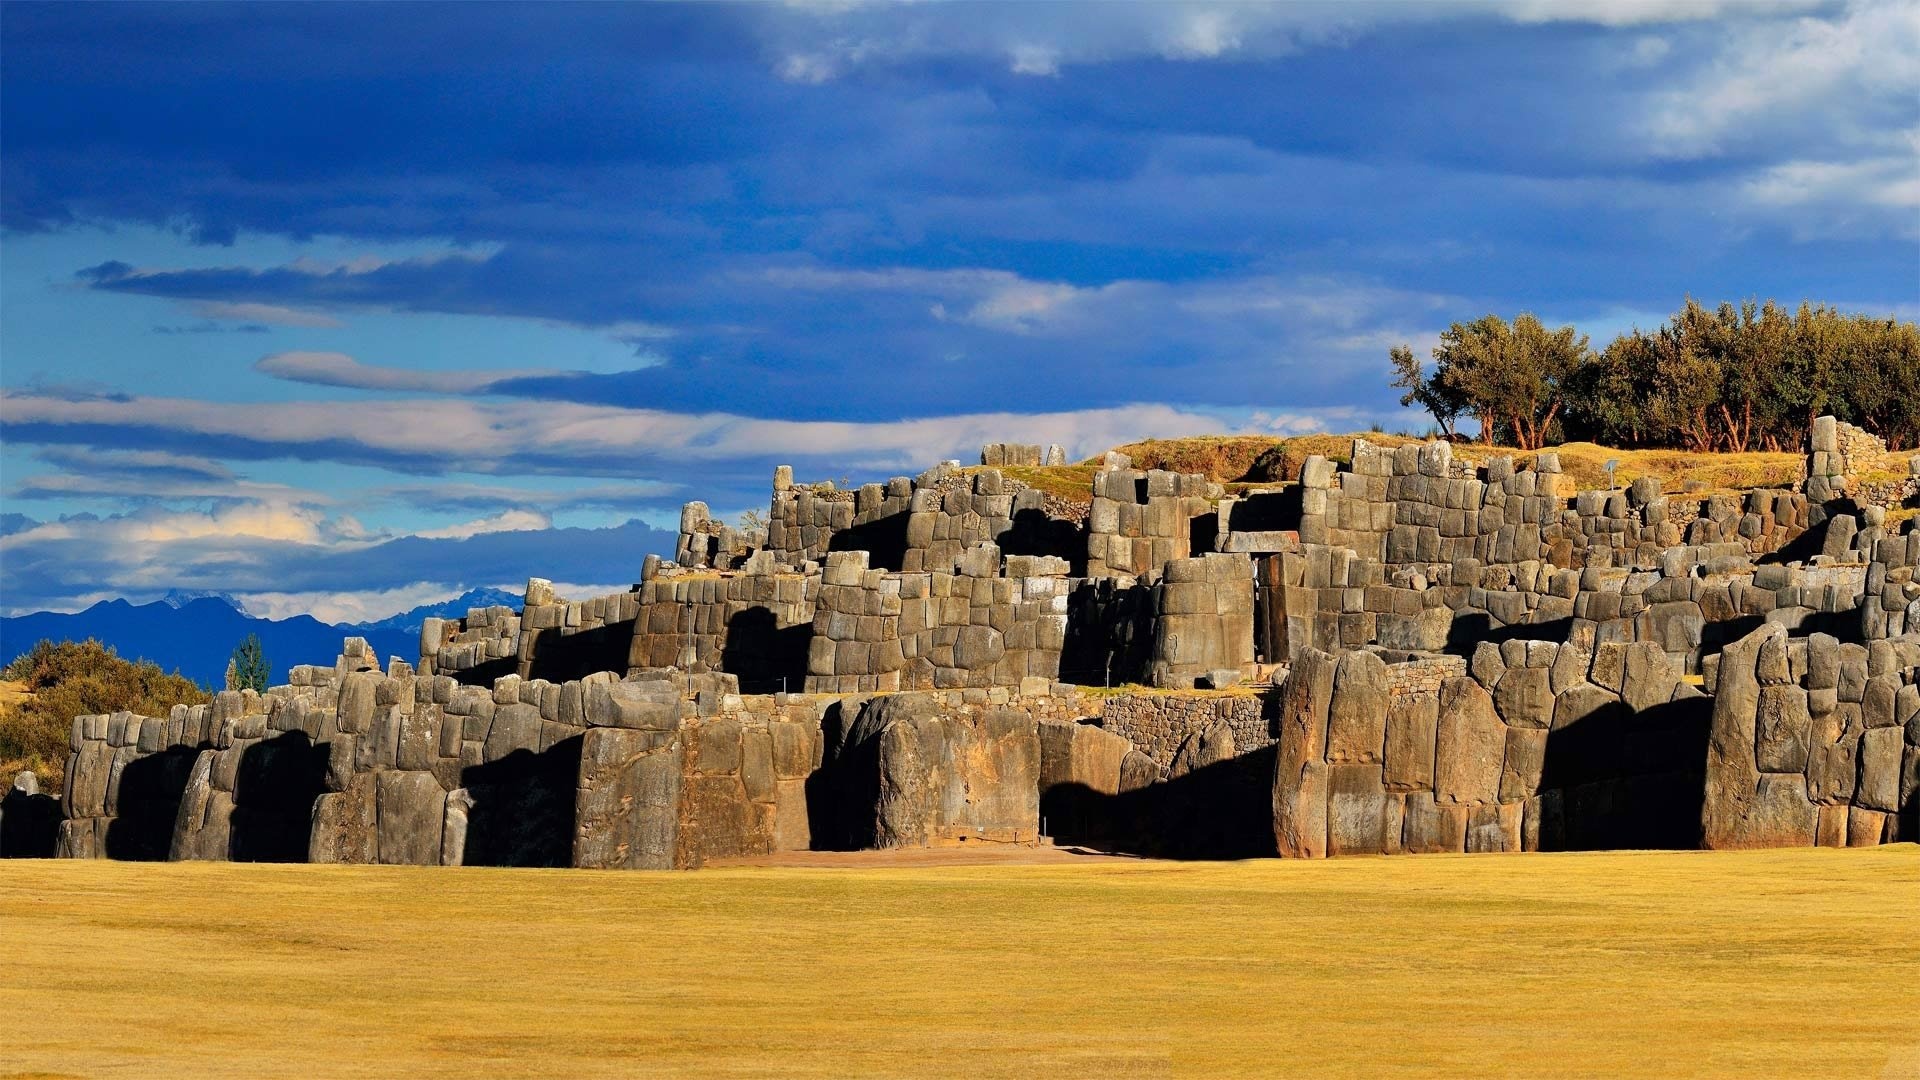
{"points": [[339, 369], [264, 314]]}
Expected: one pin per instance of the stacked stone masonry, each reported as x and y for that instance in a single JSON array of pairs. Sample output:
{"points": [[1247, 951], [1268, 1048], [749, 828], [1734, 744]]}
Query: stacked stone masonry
{"points": [[1427, 655]]}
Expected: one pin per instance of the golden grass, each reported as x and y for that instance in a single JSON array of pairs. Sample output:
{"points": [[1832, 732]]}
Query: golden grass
{"points": [[1586, 464], [1073, 483], [1605, 965], [1232, 460]]}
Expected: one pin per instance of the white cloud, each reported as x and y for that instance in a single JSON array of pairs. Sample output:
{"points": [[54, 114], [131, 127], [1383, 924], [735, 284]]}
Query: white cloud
{"points": [[339, 369], [1838, 73], [505, 521], [816, 43], [458, 434], [569, 590], [347, 607], [1035, 60], [269, 314]]}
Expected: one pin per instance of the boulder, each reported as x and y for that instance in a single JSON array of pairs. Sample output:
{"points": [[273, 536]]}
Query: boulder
{"points": [[1524, 697], [1430, 827], [628, 801], [1879, 786]]}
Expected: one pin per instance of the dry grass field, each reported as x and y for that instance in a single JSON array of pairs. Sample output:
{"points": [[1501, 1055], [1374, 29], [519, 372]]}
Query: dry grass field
{"points": [[1785, 963]]}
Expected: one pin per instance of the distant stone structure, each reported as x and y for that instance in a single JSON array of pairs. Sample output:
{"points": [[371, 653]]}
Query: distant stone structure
{"points": [[1403, 653]]}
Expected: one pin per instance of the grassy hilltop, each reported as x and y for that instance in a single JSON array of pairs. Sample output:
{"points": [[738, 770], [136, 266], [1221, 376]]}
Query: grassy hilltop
{"points": [[1736, 964], [1243, 461]]}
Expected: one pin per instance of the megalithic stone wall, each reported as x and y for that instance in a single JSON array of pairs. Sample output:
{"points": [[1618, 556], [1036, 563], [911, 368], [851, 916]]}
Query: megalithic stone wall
{"points": [[919, 524], [1815, 741], [878, 631], [1203, 628], [1535, 746], [754, 624], [1141, 520], [550, 637]]}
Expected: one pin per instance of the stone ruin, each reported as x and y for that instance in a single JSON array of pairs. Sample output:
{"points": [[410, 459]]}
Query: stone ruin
{"points": [[1406, 654]]}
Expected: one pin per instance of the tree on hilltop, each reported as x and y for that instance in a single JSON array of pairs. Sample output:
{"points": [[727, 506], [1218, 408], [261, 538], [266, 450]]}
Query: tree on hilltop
{"points": [[1513, 378]]}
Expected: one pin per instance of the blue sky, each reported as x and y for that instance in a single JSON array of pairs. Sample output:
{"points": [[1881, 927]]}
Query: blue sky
{"points": [[346, 308]]}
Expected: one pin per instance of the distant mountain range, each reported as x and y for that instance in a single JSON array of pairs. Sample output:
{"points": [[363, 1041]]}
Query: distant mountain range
{"points": [[196, 634]]}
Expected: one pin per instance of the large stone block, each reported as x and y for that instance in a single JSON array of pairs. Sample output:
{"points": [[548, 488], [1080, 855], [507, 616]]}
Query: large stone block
{"points": [[1732, 814], [1471, 744], [412, 810], [1494, 827], [1357, 710], [1432, 828], [1526, 756], [1524, 697], [1783, 729], [627, 807], [1357, 811], [1300, 810], [1879, 787], [1300, 779], [1412, 726], [344, 824]]}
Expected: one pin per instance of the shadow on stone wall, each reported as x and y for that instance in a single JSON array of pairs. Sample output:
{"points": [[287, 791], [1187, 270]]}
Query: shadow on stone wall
{"points": [[559, 659], [273, 795], [1035, 533], [151, 788], [1218, 811], [1618, 779], [767, 658], [523, 806], [30, 826], [842, 792], [1109, 638], [883, 539], [486, 674]]}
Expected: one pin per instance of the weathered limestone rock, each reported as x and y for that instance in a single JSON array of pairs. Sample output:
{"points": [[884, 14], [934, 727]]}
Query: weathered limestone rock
{"points": [[1082, 755], [1357, 712], [946, 776], [344, 823], [1783, 730], [1138, 771], [1525, 758], [1879, 787], [1202, 749], [1433, 828], [1733, 813], [1493, 827], [1471, 746], [628, 803], [1300, 774], [453, 832], [1357, 811], [1412, 725], [1524, 697], [413, 810]]}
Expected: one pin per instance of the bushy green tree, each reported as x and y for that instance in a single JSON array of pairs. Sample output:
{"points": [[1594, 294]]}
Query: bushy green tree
{"points": [[1733, 377], [1513, 378]]}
